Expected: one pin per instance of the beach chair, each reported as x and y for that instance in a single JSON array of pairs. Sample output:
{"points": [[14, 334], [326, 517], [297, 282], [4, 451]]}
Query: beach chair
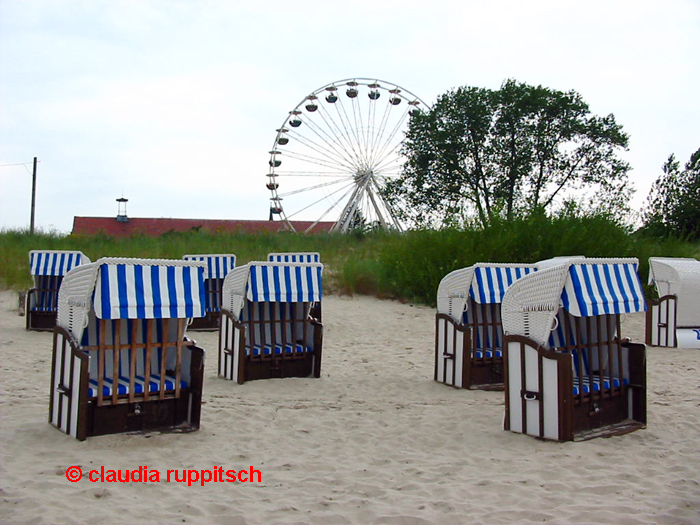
{"points": [[215, 269], [121, 361], [268, 329], [673, 319], [468, 331], [569, 374], [47, 268]]}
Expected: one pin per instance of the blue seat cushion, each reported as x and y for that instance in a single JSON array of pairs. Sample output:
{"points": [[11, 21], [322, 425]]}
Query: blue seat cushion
{"points": [[488, 354], [587, 386], [288, 349], [139, 383]]}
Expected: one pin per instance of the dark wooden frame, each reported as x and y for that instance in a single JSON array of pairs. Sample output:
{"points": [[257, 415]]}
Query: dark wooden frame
{"points": [[43, 320], [252, 367], [485, 373], [666, 308], [210, 322], [585, 415], [165, 409]]}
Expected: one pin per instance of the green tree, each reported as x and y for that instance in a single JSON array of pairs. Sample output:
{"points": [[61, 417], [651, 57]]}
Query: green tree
{"points": [[480, 153], [673, 204]]}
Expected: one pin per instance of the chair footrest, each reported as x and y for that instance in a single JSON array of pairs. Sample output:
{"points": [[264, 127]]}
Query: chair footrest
{"points": [[269, 350], [139, 384], [587, 385]]}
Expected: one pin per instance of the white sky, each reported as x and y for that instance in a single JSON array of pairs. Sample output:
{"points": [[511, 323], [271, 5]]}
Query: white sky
{"points": [[174, 104]]}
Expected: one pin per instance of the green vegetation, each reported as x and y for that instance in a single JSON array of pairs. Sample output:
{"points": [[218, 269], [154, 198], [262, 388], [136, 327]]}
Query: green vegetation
{"points": [[406, 266]]}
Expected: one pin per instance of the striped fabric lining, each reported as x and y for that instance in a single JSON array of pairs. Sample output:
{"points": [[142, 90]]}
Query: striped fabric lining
{"points": [[281, 283], [134, 291], [485, 321], [139, 384], [217, 266], [300, 257], [488, 354], [45, 298], [54, 262], [279, 350], [586, 387], [490, 283], [597, 289]]}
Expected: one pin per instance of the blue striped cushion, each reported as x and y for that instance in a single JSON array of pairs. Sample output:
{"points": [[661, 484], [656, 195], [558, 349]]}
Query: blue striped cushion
{"points": [[488, 354], [288, 349], [585, 385], [123, 387]]}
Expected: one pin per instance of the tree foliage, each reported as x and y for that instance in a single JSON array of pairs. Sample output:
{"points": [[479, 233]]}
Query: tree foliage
{"points": [[480, 153], [673, 204]]}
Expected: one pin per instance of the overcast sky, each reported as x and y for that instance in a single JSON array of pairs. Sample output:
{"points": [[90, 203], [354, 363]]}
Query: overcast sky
{"points": [[174, 104]]}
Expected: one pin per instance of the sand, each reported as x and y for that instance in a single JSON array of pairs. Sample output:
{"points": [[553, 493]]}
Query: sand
{"points": [[375, 440]]}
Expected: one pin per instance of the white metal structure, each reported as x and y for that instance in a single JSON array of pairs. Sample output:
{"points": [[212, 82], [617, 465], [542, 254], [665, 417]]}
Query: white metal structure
{"points": [[335, 152]]}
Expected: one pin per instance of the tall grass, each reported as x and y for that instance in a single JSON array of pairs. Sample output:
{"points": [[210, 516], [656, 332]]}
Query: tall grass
{"points": [[406, 266]]}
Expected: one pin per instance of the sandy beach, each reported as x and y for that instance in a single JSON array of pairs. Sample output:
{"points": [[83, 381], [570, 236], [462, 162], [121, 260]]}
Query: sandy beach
{"points": [[374, 440]]}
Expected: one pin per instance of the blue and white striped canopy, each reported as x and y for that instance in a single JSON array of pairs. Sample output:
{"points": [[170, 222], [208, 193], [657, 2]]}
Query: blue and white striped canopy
{"points": [[298, 257], [145, 291], [597, 289], [217, 266], [54, 262], [490, 283], [287, 283]]}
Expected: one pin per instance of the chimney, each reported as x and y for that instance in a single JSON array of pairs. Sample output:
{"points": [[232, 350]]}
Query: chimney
{"points": [[121, 210]]}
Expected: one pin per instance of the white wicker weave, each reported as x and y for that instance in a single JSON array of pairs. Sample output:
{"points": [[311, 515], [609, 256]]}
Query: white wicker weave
{"points": [[679, 277]]}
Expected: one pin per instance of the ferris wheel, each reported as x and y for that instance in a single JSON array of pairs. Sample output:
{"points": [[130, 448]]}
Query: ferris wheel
{"points": [[334, 153]]}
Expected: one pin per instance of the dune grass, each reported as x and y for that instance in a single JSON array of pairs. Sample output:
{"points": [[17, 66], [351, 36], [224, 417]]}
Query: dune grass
{"points": [[405, 266]]}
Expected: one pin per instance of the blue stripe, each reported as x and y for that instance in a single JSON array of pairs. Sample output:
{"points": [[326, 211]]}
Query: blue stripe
{"points": [[202, 294], [309, 280], [121, 289], [155, 285], [633, 282], [187, 285], [601, 288], [566, 302], [45, 271], [253, 280], [276, 279], [480, 284], [589, 289], [578, 291], [300, 288], [172, 291], [104, 284], [501, 288], [288, 278], [140, 292], [611, 287], [266, 284]]}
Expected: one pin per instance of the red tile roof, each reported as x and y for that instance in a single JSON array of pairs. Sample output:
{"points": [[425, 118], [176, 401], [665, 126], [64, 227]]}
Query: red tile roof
{"points": [[155, 227]]}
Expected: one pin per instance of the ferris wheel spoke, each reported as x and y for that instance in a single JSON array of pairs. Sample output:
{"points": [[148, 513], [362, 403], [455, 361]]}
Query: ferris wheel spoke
{"points": [[322, 147], [315, 187], [348, 189], [321, 161], [339, 130]]}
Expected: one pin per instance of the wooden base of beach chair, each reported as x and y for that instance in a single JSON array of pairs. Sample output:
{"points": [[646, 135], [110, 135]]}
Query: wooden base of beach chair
{"points": [[141, 416], [41, 321], [279, 368], [209, 323]]}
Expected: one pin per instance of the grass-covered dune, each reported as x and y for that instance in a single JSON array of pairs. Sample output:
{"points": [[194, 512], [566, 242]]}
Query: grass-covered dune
{"points": [[406, 266]]}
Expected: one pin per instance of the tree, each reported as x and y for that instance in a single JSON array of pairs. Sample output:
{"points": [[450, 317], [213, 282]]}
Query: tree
{"points": [[673, 204], [480, 153]]}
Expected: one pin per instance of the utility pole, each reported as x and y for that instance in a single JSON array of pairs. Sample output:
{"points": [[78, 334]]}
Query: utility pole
{"points": [[31, 221]]}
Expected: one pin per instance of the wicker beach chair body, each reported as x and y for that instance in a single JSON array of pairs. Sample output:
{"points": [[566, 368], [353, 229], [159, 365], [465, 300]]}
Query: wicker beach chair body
{"points": [[468, 331], [569, 374], [673, 320], [121, 361], [216, 266], [268, 329], [47, 268]]}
